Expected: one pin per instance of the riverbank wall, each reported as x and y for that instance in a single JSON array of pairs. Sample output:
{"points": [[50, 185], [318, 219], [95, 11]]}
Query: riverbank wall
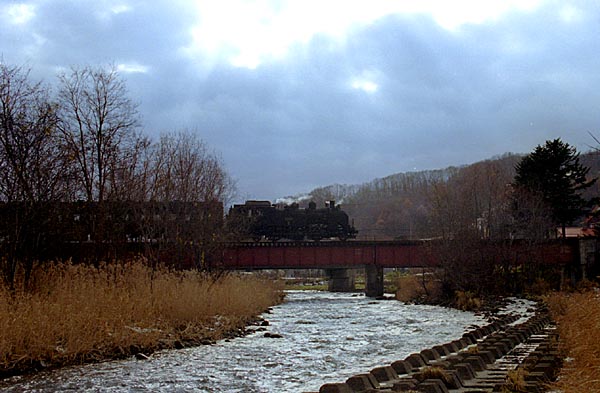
{"points": [[508, 354]]}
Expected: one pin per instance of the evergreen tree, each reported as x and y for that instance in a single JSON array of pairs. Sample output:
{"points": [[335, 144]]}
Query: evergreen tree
{"points": [[554, 173]]}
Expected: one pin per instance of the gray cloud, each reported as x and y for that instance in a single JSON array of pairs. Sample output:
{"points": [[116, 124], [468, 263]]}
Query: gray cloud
{"points": [[444, 97]]}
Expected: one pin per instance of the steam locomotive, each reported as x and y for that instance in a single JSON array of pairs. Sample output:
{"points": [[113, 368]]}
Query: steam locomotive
{"points": [[262, 220]]}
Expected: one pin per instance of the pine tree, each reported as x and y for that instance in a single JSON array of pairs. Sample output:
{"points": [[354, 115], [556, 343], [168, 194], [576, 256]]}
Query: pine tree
{"points": [[554, 173]]}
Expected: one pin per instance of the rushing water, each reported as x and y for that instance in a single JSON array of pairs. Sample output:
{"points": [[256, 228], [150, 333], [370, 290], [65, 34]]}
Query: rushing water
{"points": [[327, 337]]}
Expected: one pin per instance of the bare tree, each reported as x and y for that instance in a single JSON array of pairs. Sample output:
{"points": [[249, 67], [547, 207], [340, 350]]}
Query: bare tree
{"points": [[185, 170], [32, 163], [531, 216], [86, 148], [130, 175], [97, 124], [186, 188], [98, 127], [33, 170]]}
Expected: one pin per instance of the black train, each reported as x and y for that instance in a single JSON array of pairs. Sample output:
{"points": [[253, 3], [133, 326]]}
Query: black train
{"points": [[260, 219]]}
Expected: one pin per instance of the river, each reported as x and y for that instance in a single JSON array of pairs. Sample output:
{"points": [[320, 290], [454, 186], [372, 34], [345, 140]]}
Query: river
{"points": [[326, 337]]}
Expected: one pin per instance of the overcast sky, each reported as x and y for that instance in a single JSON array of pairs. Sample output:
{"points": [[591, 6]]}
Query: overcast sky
{"points": [[299, 94]]}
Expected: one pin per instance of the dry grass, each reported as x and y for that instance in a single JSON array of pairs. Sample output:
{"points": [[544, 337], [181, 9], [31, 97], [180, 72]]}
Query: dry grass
{"points": [[466, 301], [473, 349], [578, 317], [417, 288], [515, 381], [75, 313], [436, 373]]}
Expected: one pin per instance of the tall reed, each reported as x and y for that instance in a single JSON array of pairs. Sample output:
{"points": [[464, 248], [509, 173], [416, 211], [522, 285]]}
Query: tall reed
{"points": [[79, 313], [578, 317]]}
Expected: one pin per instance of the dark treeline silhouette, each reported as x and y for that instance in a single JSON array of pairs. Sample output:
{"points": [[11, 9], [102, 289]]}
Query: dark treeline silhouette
{"points": [[75, 168]]}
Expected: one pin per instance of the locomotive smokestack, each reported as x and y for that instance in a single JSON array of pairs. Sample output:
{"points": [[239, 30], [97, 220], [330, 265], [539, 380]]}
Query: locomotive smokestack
{"points": [[332, 204]]}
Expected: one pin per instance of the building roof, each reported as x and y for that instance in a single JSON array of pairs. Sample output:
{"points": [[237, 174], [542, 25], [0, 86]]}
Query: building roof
{"points": [[578, 232]]}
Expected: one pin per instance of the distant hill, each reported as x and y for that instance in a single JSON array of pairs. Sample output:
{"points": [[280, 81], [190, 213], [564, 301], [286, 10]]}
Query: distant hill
{"points": [[592, 161], [405, 205], [433, 203]]}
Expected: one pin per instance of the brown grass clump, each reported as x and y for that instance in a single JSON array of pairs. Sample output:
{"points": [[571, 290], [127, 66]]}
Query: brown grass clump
{"points": [[418, 288], [77, 313], [467, 301], [436, 373], [473, 349], [578, 317], [515, 381]]}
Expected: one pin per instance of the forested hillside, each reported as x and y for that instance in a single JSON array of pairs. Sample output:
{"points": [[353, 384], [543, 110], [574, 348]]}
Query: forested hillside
{"points": [[592, 161], [436, 203]]}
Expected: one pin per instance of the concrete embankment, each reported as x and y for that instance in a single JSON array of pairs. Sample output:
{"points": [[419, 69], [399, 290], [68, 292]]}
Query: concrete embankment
{"points": [[503, 355]]}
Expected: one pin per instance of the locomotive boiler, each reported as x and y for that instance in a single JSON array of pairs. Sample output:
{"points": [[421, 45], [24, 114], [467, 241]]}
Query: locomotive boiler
{"points": [[262, 220]]}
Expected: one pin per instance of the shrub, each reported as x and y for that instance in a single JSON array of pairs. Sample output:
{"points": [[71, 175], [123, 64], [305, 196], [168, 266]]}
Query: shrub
{"points": [[466, 301], [421, 288]]}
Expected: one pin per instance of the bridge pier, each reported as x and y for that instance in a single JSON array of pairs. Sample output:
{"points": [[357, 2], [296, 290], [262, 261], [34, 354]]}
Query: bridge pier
{"points": [[373, 280], [340, 280]]}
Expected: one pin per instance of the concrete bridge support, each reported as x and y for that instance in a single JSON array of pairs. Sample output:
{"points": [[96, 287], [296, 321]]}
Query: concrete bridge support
{"points": [[373, 280], [340, 280]]}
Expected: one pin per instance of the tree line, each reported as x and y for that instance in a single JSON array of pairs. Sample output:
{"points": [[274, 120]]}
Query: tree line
{"points": [[484, 220], [509, 196], [78, 153]]}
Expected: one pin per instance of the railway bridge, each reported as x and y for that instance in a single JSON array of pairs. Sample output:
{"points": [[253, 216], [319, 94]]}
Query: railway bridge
{"points": [[338, 257]]}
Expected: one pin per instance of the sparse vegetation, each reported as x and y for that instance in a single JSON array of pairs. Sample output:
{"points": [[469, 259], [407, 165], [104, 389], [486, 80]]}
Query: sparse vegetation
{"points": [[473, 349], [436, 373], [418, 288], [578, 317], [305, 287], [467, 301], [72, 314], [515, 381], [305, 284], [428, 288]]}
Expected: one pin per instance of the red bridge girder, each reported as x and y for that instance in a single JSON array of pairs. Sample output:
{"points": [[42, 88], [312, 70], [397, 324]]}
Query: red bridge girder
{"points": [[324, 255], [357, 254]]}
